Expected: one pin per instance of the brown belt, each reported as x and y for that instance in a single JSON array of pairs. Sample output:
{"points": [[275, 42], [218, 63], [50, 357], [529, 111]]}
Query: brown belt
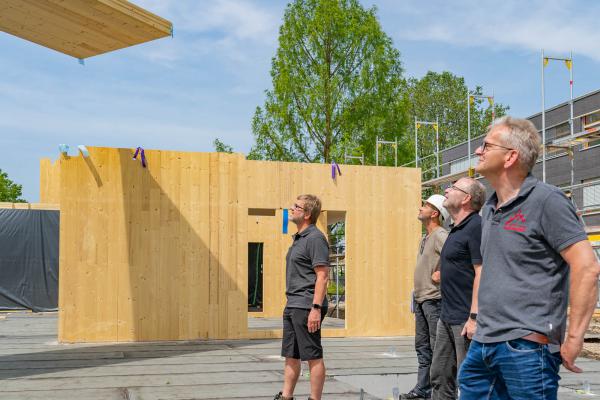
{"points": [[537, 338]]}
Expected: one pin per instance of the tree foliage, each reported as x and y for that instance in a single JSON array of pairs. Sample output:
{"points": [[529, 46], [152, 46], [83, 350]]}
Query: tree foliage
{"points": [[9, 191], [443, 96], [221, 147], [337, 85]]}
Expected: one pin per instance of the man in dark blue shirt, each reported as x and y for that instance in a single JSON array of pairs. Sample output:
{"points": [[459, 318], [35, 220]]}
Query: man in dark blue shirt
{"points": [[459, 271]]}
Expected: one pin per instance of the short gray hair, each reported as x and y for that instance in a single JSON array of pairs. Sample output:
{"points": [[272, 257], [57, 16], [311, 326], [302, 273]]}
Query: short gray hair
{"points": [[312, 205], [477, 192], [521, 135]]}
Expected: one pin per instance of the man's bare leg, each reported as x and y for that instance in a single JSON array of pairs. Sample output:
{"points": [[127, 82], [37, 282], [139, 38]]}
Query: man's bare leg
{"points": [[291, 372], [317, 378]]}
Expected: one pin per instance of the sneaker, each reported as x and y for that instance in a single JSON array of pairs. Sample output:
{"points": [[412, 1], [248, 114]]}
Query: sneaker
{"points": [[412, 395]]}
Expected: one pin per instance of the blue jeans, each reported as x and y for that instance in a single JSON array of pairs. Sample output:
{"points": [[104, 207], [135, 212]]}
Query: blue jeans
{"points": [[514, 370]]}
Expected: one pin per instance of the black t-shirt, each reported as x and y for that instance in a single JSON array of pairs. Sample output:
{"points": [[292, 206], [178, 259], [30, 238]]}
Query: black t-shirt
{"points": [[460, 252]]}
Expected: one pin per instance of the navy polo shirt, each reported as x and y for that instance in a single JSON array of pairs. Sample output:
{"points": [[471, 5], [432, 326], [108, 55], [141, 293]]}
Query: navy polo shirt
{"points": [[525, 281], [460, 252]]}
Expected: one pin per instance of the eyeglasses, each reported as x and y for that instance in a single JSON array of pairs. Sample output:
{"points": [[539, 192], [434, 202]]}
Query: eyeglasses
{"points": [[454, 187], [297, 207], [486, 146]]}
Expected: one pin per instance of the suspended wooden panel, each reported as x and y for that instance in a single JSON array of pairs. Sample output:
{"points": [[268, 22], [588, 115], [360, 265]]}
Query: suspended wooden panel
{"points": [[81, 28]]}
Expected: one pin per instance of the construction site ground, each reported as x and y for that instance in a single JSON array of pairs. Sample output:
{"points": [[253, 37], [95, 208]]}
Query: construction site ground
{"points": [[34, 366]]}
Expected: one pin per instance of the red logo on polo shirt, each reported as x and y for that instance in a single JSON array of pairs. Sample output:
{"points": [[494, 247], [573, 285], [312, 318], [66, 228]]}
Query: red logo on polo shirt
{"points": [[516, 222]]}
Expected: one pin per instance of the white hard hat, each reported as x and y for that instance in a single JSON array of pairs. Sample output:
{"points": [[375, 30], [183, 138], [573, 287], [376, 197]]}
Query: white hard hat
{"points": [[437, 200]]}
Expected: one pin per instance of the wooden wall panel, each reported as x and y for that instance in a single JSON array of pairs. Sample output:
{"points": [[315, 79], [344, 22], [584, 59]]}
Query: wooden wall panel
{"points": [[160, 253], [81, 28], [49, 181], [30, 206], [382, 233]]}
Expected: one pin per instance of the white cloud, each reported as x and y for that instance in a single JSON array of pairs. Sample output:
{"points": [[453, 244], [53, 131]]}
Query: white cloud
{"points": [[557, 26], [232, 30]]}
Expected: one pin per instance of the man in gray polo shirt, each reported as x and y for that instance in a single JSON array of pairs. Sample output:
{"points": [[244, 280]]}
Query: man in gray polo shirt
{"points": [[535, 256], [307, 273]]}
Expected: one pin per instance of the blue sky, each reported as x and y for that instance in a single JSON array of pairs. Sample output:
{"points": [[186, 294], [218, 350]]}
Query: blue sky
{"points": [[181, 93]]}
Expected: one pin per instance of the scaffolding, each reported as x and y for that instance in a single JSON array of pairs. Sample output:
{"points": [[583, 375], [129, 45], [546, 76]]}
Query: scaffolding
{"points": [[379, 143], [360, 158], [569, 64]]}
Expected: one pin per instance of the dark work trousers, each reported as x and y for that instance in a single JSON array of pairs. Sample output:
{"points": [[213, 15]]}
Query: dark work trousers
{"points": [[448, 354], [427, 315]]}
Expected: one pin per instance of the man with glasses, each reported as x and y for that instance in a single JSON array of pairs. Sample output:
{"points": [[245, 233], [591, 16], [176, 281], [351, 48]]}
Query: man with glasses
{"points": [[307, 273], [535, 256], [426, 301], [460, 270]]}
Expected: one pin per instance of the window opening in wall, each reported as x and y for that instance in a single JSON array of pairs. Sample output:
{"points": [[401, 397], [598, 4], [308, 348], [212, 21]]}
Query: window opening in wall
{"points": [[255, 277]]}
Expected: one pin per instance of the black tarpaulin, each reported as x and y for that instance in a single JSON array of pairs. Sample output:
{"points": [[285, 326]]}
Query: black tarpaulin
{"points": [[29, 259]]}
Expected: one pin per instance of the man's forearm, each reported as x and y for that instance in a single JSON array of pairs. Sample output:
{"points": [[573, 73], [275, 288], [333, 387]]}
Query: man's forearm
{"points": [[320, 289], [474, 298], [583, 295]]}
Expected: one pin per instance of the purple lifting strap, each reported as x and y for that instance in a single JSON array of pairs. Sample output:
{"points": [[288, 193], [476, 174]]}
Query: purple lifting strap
{"points": [[335, 167], [140, 150]]}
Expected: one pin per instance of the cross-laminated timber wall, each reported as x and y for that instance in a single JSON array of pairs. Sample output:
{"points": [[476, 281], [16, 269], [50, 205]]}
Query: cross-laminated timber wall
{"points": [[160, 253]]}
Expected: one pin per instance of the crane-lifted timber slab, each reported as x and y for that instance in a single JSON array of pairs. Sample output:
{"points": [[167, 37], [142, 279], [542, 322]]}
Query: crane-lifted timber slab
{"points": [[81, 28]]}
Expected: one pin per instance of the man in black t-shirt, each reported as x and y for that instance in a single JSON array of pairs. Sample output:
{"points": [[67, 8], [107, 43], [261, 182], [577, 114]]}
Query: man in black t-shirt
{"points": [[460, 270]]}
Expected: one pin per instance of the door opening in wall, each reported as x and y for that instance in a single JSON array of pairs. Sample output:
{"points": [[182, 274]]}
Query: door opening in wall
{"points": [[255, 277]]}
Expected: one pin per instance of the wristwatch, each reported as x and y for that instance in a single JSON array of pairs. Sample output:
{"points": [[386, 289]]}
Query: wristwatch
{"points": [[316, 306], [473, 316]]}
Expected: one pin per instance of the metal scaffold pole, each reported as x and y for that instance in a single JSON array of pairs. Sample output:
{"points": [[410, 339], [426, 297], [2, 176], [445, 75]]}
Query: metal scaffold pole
{"points": [[416, 146], [394, 144], [361, 158], [471, 100], [437, 148], [469, 127], [569, 63], [571, 122], [543, 121], [436, 127]]}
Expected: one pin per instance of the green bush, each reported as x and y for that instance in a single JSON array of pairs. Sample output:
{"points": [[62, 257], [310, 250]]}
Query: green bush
{"points": [[331, 289]]}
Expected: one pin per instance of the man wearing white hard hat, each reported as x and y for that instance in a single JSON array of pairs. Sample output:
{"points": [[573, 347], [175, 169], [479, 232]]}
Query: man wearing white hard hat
{"points": [[427, 294]]}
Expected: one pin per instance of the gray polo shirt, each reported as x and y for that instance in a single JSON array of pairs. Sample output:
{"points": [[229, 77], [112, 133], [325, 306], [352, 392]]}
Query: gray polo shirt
{"points": [[309, 250], [524, 281]]}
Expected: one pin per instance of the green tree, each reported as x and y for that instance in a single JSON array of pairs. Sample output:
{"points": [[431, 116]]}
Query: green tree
{"points": [[9, 191], [221, 147], [444, 96], [337, 84]]}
